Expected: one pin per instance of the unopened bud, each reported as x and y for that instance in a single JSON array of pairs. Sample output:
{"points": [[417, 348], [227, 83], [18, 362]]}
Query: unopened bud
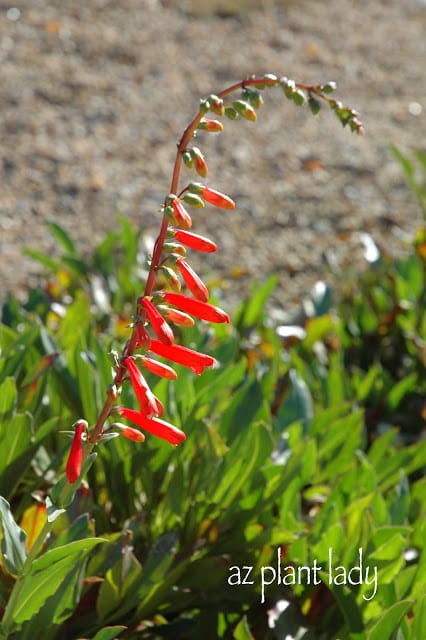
{"points": [[171, 278], [329, 87], [188, 160], [231, 113], [314, 105], [200, 164], [245, 110], [216, 105], [212, 126], [298, 97], [193, 200]]}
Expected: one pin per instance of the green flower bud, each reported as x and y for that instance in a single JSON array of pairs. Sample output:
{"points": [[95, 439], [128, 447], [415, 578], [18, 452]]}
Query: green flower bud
{"points": [[193, 200], [314, 105], [245, 110], [205, 105], [188, 159], [231, 113], [298, 97], [329, 87]]}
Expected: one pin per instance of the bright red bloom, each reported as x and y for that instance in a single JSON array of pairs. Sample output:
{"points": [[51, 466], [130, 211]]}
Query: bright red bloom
{"points": [[194, 360], [181, 215], [159, 428], [194, 241], [158, 368], [130, 433], [75, 457], [193, 281], [202, 310], [149, 404], [160, 326]]}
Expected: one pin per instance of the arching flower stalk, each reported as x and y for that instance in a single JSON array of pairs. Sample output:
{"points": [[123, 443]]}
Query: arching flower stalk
{"points": [[185, 297]]}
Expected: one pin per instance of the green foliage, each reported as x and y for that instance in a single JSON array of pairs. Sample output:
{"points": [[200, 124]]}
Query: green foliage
{"points": [[305, 439]]}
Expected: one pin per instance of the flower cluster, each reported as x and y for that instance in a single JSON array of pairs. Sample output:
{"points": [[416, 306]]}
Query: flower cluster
{"points": [[174, 294]]}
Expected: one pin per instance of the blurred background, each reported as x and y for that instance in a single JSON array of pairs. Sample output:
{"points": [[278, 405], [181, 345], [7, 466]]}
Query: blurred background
{"points": [[95, 95]]}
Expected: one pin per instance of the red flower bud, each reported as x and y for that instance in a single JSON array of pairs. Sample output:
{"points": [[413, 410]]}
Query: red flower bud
{"points": [[200, 164], [159, 324], [159, 428], [212, 126], [217, 199], [149, 404], [181, 215], [158, 368], [194, 241], [178, 317], [211, 196], [193, 281], [194, 360], [202, 310], [130, 433], [75, 457]]}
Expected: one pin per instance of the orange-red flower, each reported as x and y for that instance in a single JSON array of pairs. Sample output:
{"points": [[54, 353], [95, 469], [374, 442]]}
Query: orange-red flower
{"points": [[75, 457], [194, 241], [158, 323], [157, 427], [194, 360], [202, 310], [193, 281]]}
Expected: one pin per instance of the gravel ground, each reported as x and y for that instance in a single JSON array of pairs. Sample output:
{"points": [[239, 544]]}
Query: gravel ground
{"points": [[95, 95]]}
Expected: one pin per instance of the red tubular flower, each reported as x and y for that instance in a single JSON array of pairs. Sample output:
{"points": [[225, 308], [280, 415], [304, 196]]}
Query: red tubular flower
{"points": [[158, 368], [149, 404], [75, 457], [193, 281], [181, 215], [178, 317], [217, 199], [159, 428], [194, 360], [202, 310], [194, 241], [160, 326]]}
